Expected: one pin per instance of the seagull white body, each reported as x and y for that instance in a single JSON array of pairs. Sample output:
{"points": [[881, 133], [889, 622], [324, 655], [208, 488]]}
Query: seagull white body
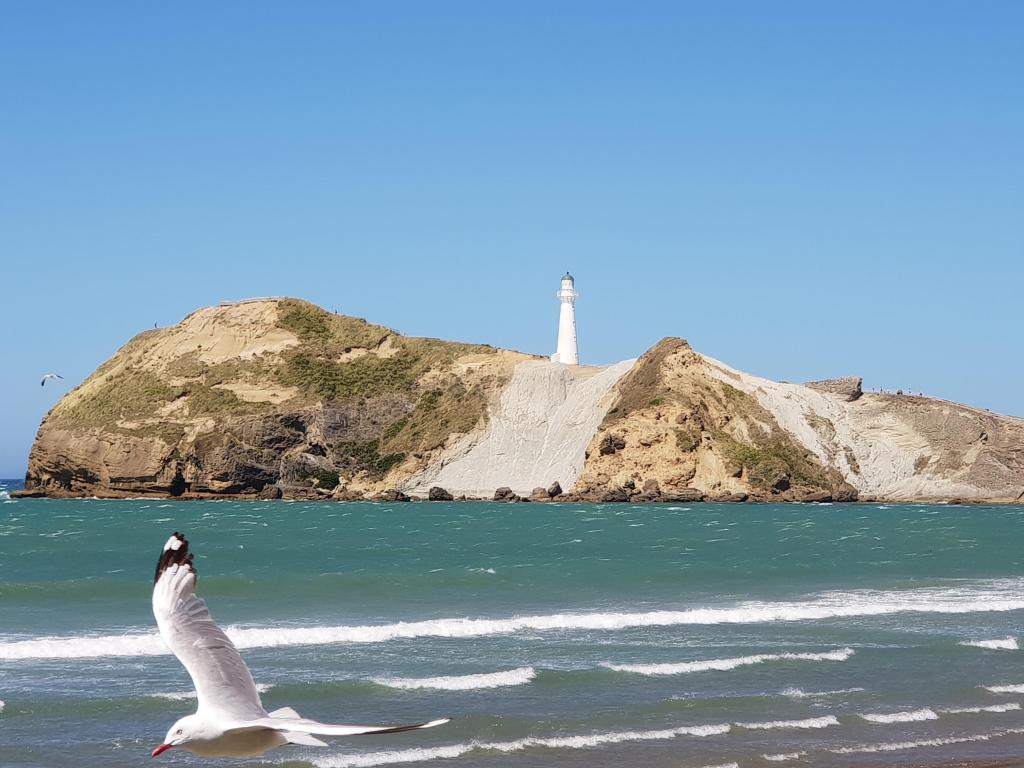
{"points": [[48, 377], [230, 720]]}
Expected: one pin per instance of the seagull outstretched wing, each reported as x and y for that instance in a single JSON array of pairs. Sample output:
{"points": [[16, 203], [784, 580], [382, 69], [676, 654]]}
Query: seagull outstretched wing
{"points": [[47, 377], [291, 725], [223, 683]]}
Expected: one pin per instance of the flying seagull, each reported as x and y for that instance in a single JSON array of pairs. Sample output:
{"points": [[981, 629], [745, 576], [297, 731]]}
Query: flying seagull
{"points": [[230, 720], [48, 376]]}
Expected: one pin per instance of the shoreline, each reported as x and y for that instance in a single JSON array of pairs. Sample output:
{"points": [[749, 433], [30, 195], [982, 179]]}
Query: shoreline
{"points": [[312, 495]]}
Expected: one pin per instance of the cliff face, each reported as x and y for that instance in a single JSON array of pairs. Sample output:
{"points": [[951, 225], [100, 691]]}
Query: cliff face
{"points": [[277, 395]]}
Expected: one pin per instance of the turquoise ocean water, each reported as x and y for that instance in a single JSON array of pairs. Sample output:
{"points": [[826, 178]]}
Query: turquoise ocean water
{"points": [[555, 635]]}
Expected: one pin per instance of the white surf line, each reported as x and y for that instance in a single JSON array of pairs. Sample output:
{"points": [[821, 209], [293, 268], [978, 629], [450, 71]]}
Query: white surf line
{"points": [[1004, 644], [796, 693], [929, 713], [783, 757], [723, 665], [914, 716], [520, 676], [423, 754], [831, 605], [1017, 688], [937, 742], [994, 708], [811, 722]]}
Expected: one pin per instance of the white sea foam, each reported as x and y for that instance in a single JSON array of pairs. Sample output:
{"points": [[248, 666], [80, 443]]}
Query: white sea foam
{"points": [[996, 708], [796, 693], [422, 754], [1004, 688], [785, 756], [1004, 644], [520, 676], [996, 596], [939, 742], [810, 722], [186, 695], [914, 716], [722, 665], [2, 705]]}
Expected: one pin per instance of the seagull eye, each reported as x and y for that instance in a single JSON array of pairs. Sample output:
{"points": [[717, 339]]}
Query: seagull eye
{"points": [[178, 732]]}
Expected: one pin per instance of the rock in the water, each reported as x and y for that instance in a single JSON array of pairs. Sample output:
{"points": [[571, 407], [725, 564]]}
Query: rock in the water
{"points": [[812, 496], [540, 493], [271, 492], [343, 493], [393, 494], [615, 494], [683, 494], [555, 489], [732, 498], [504, 494], [439, 494]]}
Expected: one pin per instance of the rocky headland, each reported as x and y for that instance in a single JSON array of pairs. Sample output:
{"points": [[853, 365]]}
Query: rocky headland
{"points": [[279, 398]]}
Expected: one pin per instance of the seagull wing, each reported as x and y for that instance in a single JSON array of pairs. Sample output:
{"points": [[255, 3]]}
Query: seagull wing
{"points": [[304, 725], [222, 681]]}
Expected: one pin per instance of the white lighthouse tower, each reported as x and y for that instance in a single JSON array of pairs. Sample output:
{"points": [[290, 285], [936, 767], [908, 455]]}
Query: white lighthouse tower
{"points": [[567, 351]]}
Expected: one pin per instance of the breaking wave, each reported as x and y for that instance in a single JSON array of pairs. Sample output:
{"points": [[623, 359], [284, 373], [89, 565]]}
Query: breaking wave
{"points": [[997, 596], [1004, 688], [722, 665], [781, 758], [422, 754], [914, 716], [1005, 644], [939, 742], [978, 710], [810, 722], [796, 693], [520, 676]]}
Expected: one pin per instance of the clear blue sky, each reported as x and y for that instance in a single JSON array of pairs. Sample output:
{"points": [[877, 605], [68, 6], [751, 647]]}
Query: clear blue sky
{"points": [[801, 189]]}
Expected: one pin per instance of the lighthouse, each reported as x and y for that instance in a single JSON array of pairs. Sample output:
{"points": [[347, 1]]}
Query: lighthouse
{"points": [[567, 351]]}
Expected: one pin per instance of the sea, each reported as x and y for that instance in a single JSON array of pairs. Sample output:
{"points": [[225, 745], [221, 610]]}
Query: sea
{"points": [[561, 635]]}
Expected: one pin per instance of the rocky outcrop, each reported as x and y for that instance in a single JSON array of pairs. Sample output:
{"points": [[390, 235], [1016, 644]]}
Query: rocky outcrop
{"points": [[678, 432], [895, 447], [439, 494], [848, 388]]}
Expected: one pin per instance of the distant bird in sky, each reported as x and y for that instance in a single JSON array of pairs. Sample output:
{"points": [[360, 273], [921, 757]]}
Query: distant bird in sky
{"points": [[43, 381], [230, 720]]}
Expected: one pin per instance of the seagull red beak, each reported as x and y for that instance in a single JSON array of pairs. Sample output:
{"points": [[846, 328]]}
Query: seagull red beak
{"points": [[161, 749]]}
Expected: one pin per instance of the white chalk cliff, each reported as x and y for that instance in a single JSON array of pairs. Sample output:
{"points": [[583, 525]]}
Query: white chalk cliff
{"points": [[537, 433]]}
